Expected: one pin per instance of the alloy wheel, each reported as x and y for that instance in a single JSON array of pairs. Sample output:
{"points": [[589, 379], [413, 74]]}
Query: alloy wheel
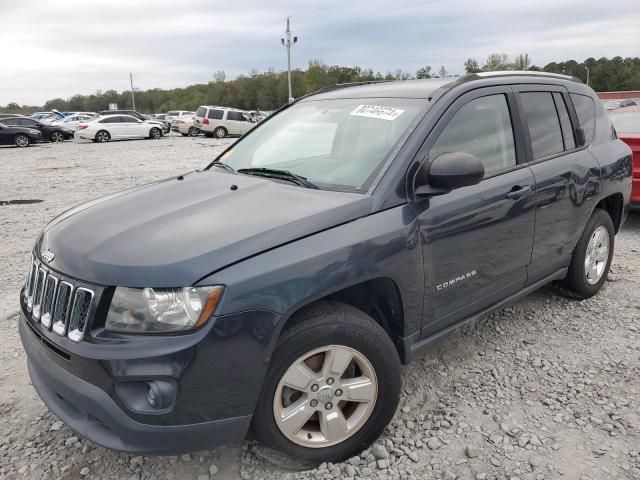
{"points": [[21, 141], [325, 396], [595, 261], [57, 137]]}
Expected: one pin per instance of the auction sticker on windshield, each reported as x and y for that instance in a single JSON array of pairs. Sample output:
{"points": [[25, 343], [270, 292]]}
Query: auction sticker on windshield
{"points": [[376, 111]]}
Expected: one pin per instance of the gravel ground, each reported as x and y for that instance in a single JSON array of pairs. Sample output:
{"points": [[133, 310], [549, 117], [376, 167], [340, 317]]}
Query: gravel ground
{"points": [[547, 388]]}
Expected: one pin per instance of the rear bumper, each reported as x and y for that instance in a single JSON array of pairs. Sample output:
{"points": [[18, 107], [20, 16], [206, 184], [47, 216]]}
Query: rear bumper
{"points": [[92, 413]]}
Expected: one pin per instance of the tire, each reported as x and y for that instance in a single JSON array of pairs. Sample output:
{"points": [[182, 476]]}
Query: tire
{"points": [[342, 330], [21, 140], [155, 133], [595, 248], [220, 132], [193, 132], [102, 136], [56, 137]]}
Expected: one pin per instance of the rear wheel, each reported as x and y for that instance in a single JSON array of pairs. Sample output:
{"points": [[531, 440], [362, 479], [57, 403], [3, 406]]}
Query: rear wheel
{"points": [[220, 132], [332, 386], [57, 137], [155, 133], [591, 258], [21, 140], [103, 136]]}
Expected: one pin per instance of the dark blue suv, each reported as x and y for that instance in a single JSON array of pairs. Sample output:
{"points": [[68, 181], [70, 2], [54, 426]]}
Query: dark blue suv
{"points": [[281, 289]]}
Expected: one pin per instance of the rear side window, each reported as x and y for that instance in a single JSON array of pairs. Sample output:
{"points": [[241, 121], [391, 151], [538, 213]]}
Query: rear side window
{"points": [[565, 121], [544, 125], [237, 116], [586, 111], [201, 112], [110, 120], [215, 114], [481, 128]]}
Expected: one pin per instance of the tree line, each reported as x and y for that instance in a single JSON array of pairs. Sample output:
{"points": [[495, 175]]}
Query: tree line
{"points": [[268, 90]]}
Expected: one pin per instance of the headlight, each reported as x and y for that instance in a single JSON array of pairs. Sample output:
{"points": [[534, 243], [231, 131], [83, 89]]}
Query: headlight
{"points": [[157, 310]]}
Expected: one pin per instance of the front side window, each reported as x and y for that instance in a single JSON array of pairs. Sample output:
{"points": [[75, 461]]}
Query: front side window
{"points": [[481, 128], [544, 126], [215, 114], [237, 116], [337, 144], [586, 112]]}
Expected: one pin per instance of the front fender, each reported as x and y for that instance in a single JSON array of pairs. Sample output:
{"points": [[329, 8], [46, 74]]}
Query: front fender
{"points": [[284, 279]]}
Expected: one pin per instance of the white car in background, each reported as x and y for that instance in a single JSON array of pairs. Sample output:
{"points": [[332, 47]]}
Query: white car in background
{"points": [[185, 126], [117, 127], [222, 121], [173, 114], [72, 121]]}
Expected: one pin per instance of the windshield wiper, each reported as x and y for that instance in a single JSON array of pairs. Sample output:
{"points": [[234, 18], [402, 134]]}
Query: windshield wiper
{"points": [[228, 168], [280, 175]]}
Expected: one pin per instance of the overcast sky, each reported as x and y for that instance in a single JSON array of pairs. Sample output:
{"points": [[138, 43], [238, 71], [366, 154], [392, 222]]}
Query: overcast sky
{"points": [[59, 48]]}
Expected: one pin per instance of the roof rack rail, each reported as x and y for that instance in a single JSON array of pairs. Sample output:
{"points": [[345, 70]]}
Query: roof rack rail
{"points": [[338, 86], [526, 73]]}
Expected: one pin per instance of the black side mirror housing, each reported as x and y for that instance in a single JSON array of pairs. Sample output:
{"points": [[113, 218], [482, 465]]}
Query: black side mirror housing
{"points": [[449, 171], [581, 138]]}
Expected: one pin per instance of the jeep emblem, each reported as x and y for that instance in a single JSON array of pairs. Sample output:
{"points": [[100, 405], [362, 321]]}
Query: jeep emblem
{"points": [[47, 255]]}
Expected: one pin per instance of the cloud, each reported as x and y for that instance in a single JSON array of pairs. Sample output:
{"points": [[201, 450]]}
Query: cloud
{"points": [[57, 49]]}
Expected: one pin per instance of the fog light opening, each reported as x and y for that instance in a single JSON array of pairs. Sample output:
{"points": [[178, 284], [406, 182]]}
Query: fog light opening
{"points": [[160, 394]]}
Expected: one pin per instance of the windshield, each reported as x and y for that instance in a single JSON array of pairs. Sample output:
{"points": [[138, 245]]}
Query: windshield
{"points": [[626, 122], [333, 143]]}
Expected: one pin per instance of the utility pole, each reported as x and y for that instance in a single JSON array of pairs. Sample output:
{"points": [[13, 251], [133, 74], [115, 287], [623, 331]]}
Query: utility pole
{"points": [[288, 43], [587, 76], [133, 97]]}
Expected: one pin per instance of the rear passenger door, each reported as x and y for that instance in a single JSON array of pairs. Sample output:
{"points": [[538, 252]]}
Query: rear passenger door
{"points": [[566, 176]]}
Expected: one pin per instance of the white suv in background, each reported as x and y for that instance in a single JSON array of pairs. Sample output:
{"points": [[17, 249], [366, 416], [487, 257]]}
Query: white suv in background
{"points": [[222, 121]]}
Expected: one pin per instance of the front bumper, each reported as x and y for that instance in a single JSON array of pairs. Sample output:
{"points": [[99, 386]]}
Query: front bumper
{"points": [[93, 414], [218, 372]]}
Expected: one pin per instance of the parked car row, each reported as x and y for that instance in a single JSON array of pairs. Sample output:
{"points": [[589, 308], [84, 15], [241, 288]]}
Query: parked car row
{"points": [[20, 131]]}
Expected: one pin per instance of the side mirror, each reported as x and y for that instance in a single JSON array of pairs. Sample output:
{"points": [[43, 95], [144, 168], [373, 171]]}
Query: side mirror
{"points": [[581, 138], [449, 171]]}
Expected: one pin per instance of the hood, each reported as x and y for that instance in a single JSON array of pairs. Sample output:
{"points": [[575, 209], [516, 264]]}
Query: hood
{"points": [[174, 232]]}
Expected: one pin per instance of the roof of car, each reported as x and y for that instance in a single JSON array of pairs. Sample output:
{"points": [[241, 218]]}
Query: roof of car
{"points": [[423, 88], [221, 108], [631, 108]]}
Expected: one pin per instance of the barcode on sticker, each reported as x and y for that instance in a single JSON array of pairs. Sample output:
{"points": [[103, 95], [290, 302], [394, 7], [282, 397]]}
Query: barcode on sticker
{"points": [[376, 111]]}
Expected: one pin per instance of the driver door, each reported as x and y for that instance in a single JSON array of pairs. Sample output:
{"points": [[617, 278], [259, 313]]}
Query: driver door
{"points": [[477, 240]]}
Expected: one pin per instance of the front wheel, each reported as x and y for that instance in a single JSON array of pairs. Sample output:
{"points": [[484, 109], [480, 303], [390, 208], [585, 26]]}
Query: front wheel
{"points": [[193, 132], [155, 133], [21, 140], [591, 258], [332, 386], [57, 137]]}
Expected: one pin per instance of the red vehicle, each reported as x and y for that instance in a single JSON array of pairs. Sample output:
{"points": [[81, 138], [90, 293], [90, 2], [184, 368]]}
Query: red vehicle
{"points": [[626, 121]]}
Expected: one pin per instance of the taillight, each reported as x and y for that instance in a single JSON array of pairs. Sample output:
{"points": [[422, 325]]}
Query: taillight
{"points": [[205, 121], [82, 126]]}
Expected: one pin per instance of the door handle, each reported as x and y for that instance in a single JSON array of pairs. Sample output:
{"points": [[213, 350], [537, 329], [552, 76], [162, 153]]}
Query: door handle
{"points": [[519, 191]]}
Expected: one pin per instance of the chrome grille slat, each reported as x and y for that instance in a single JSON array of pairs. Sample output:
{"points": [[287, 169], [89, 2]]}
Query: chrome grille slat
{"points": [[37, 292], [32, 280], [48, 298], [61, 308], [80, 313]]}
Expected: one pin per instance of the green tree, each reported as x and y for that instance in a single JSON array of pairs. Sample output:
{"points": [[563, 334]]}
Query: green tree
{"points": [[496, 62], [472, 66], [522, 62], [424, 72]]}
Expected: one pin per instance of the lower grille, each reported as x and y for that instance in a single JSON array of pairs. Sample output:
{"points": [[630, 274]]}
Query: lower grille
{"points": [[57, 303]]}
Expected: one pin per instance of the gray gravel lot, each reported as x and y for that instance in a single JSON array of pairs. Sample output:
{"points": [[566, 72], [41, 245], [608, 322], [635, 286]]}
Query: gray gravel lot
{"points": [[547, 388]]}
